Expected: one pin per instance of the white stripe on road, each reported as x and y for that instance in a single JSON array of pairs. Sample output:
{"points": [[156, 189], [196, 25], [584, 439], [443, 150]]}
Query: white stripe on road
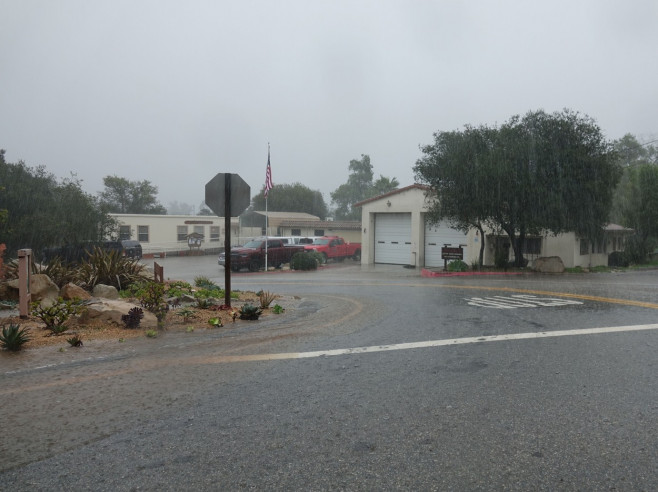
{"points": [[430, 343]]}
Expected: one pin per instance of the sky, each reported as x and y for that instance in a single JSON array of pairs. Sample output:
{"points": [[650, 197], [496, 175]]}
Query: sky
{"points": [[174, 92]]}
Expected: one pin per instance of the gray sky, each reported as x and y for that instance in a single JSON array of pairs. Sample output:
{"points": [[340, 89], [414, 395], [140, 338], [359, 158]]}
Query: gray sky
{"points": [[177, 91]]}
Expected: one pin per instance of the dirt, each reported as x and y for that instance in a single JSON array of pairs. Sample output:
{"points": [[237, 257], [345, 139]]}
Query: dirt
{"points": [[96, 330]]}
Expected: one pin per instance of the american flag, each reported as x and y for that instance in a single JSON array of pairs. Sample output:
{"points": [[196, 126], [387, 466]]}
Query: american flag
{"points": [[268, 175]]}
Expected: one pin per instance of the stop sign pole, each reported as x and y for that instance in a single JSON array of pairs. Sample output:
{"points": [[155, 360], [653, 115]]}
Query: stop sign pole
{"points": [[227, 194], [227, 239]]}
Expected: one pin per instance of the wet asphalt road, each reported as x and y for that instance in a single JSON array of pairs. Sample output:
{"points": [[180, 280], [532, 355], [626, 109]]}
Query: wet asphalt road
{"points": [[283, 412]]}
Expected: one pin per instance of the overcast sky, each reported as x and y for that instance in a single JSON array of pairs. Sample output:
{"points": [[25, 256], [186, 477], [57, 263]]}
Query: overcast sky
{"points": [[177, 91]]}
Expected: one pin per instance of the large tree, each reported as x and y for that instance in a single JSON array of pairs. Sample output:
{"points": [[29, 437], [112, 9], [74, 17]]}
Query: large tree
{"points": [[123, 196], [291, 198], [635, 203], [533, 174], [43, 211], [359, 187]]}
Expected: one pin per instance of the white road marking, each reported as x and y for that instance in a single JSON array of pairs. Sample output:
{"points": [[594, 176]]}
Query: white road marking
{"points": [[518, 301], [432, 343]]}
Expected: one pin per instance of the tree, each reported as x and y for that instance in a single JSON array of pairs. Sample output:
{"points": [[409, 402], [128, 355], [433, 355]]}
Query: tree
{"points": [[130, 197], [359, 186], [44, 212], [540, 173], [635, 203], [181, 208], [291, 198]]}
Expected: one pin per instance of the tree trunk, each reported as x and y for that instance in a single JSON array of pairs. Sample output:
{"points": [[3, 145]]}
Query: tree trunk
{"points": [[518, 248], [481, 260]]}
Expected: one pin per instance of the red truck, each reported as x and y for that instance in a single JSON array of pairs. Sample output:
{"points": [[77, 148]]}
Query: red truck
{"points": [[335, 247], [252, 255]]}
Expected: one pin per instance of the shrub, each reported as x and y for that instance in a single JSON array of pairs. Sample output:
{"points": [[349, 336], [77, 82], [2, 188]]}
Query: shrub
{"points": [[152, 297], [151, 333], [618, 259], [13, 337], [457, 266], [133, 318], [277, 309], [109, 268], [215, 322], [266, 298], [250, 312], [59, 272], [187, 314], [75, 341], [58, 314], [305, 261]]}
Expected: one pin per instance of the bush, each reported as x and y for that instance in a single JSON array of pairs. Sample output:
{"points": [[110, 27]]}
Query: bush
{"points": [[457, 266], [58, 314], [250, 312], [13, 337], [618, 259], [109, 268], [133, 318], [305, 261]]}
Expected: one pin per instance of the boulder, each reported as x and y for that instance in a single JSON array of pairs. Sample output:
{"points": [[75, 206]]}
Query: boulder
{"points": [[549, 264], [110, 311], [105, 291], [42, 289], [72, 291]]}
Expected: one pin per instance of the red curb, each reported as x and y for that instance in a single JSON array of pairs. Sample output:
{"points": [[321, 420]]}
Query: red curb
{"points": [[430, 273]]}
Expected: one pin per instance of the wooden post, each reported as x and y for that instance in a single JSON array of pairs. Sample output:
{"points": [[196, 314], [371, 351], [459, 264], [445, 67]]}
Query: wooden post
{"points": [[158, 273], [24, 295]]}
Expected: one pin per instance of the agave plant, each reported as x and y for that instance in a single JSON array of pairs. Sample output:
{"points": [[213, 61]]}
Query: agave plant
{"points": [[250, 312], [13, 337]]}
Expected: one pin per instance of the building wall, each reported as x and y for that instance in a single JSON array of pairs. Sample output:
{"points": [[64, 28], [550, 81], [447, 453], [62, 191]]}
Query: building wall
{"points": [[409, 201], [413, 201], [349, 235], [162, 233]]}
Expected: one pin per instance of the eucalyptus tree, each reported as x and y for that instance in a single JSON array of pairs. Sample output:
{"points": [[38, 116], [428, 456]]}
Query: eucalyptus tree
{"points": [[359, 186], [123, 196]]}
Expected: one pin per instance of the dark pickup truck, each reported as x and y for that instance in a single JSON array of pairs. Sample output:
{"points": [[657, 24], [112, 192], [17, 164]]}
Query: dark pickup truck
{"points": [[252, 255]]}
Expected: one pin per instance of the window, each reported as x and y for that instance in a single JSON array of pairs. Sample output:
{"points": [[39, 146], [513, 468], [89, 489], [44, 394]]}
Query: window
{"points": [[143, 234], [584, 247], [318, 232], [124, 232], [295, 232], [532, 246], [181, 233], [198, 229], [214, 233]]}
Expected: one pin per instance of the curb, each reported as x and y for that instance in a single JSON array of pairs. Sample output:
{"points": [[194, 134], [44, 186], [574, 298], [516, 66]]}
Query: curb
{"points": [[430, 273]]}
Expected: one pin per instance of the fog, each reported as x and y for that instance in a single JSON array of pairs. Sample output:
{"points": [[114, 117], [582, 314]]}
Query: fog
{"points": [[175, 92]]}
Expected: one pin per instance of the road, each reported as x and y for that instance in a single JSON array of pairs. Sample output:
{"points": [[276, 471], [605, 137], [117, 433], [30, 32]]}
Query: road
{"points": [[377, 379]]}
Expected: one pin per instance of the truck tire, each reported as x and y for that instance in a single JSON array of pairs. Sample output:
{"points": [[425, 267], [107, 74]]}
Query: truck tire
{"points": [[254, 266], [325, 258], [357, 255]]}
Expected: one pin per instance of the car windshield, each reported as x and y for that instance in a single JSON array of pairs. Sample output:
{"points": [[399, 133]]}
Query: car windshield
{"points": [[321, 241], [253, 244]]}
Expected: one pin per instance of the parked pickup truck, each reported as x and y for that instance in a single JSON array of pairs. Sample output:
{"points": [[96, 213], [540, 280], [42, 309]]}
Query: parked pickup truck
{"points": [[252, 255], [334, 247]]}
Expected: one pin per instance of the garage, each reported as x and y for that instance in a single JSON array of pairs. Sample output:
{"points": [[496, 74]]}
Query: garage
{"points": [[393, 238], [438, 235]]}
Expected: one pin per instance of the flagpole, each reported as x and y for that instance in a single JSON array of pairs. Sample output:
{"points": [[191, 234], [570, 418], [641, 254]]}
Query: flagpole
{"points": [[267, 173]]}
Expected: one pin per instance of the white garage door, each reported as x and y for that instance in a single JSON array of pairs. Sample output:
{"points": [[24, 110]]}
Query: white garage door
{"points": [[436, 235], [393, 238]]}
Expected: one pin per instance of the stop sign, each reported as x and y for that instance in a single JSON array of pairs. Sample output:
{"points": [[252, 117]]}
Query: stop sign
{"points": [[224, 184]]}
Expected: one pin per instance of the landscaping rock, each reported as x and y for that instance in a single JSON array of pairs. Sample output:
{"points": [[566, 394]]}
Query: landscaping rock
{"points": [[108, 310], [105, 291], [42, 289], [72, 291], [549, 264]]}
